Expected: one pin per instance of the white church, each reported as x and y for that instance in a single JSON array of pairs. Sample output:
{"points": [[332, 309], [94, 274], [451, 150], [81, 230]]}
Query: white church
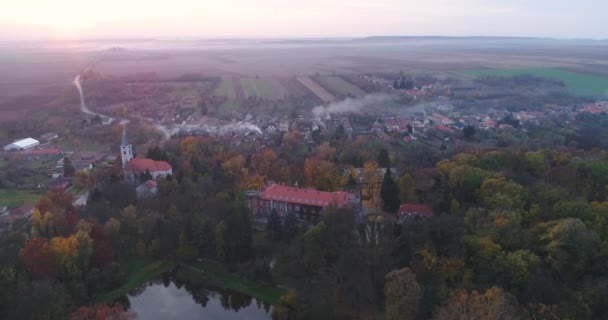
{"points": [[133, 168]]}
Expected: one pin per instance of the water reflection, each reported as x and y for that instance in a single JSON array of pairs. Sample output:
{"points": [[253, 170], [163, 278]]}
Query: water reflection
{"points": [[175, 296]]}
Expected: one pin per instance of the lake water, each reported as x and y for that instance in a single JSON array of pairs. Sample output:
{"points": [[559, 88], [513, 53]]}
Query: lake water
{"points": [[169, 299]]}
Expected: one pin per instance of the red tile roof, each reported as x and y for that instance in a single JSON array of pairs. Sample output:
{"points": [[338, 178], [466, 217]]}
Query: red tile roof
{"points": [[278, 192], [443, 128], [141, 164], [41, 152], [415, 209]]}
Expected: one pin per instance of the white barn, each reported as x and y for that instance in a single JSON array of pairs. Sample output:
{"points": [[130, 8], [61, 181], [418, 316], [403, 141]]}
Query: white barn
{"points": [[24, 144]]}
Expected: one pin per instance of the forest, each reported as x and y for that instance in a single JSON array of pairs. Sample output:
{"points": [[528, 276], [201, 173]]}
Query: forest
{"points": [[516, 233]]}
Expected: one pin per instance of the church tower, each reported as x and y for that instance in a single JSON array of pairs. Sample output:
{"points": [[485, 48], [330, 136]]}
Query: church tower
{"points": [[126, 150]]}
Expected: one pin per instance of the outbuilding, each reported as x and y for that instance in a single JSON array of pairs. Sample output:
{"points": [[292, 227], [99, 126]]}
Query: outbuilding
{"points": [[24, 144]]}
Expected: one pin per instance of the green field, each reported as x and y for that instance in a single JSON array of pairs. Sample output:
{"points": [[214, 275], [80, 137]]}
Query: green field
{"points": [[263, 87], [14, 198], [226, 88], [577, 83], [339, 86]]}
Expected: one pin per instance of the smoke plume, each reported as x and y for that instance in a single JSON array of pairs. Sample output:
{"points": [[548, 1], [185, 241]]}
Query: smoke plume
{"points": [[350, 105]]}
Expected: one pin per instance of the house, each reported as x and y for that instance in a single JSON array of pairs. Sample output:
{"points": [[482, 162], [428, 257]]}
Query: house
{"points": [[271, 128], [413, 210], [24, 144], [307, 203], [134, 168], [49, 136], [23, 212], [59, 184], [488, 123], [86, 161], [147, 189]]}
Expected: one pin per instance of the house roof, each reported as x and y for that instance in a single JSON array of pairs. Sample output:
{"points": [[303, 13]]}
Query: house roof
{"points": [[41, 152], [149, 184], [416, 209], [21, 212], [278, 192], [59, 182], [142, 164]]}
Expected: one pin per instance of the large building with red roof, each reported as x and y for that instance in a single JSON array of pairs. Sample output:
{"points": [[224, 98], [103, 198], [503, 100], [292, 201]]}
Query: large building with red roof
{"points": [[134, 168], [413, 210], [307, 203]]}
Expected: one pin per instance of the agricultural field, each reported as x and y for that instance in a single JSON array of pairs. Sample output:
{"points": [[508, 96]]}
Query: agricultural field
{"points": [[339, 87], [268, 88], [577, 83], [15, 198], [316, 89], [226, 89]]}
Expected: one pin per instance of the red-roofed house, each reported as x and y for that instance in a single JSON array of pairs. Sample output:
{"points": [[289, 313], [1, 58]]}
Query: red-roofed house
{"points": [[592, 109], [305, 202], [414, 210], [147, 189], [133, 168]]}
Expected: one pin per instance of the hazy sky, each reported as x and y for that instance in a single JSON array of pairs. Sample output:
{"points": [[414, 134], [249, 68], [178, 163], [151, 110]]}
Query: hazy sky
{"points": [[30, 19]]}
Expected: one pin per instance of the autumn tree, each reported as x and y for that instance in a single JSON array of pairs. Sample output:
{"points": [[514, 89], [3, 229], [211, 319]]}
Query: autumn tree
{"points": [[102, 312], [371, 180], [493, 304], [403, 294], [38, 259], [287, 308]]}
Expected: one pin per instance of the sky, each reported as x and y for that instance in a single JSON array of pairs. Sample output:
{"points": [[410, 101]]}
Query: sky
{"points": [[81, 19]]}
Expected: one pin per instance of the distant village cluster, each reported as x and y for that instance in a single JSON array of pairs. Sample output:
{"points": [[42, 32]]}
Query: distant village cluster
{"points": [[430, 116]]}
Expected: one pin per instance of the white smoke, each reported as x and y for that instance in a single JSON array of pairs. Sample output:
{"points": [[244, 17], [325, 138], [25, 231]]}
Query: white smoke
{"points": [[224, 129], [78, 85], [350, 105]]}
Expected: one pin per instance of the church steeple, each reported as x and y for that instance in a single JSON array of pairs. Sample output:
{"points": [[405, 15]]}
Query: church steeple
{"points": [[124, 136], [126, 150]]}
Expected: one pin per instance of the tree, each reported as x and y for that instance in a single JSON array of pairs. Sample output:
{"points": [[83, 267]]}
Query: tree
{"points": [[383, 159], [145, 176], [371, 180], [389, 193], [68, 168], [468, 131], [38, 259], [403, 295], [290, 227], [287, 308], [102, 312], [494, 304], [81, 179], [273, 226], [220, 247], [572, 248]]}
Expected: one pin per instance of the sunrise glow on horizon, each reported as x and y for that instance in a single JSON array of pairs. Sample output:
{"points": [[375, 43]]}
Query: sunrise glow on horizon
{"points": [[30, 19]]}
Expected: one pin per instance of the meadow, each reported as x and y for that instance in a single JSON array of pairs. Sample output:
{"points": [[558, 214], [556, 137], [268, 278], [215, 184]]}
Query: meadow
{"points": [[14, 198], [267, 88], [577, 83]]}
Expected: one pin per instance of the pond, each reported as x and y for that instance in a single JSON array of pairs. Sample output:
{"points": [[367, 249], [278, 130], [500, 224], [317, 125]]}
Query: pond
{"points": [[185, 299]]}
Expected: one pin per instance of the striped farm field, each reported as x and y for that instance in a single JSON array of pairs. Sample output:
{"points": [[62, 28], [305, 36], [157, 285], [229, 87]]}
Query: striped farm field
{"points": [[316, 89], [267, 88], [339, 87], [226, 89]]}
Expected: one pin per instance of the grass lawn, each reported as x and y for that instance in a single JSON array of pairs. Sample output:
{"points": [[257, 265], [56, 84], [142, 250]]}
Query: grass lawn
{"points": [[339, 86], [217, 275], [141, 271], [577, 83], [14, 198]]}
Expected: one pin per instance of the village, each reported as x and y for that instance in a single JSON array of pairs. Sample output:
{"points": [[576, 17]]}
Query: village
{"points": [[432, 119]]}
